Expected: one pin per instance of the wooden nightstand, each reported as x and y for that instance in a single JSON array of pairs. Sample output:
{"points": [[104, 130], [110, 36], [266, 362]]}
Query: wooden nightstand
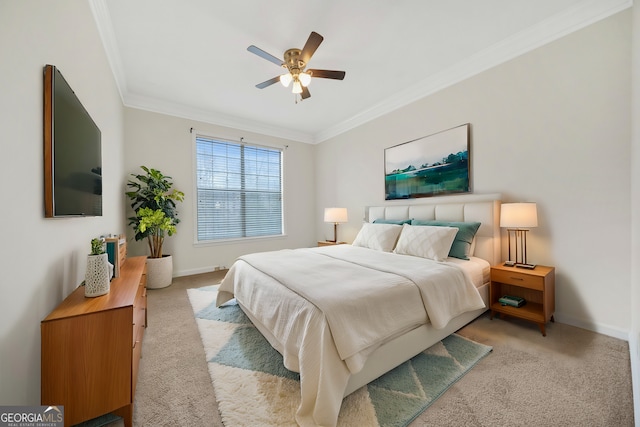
{"points": [[536, 286], [328, 243]]}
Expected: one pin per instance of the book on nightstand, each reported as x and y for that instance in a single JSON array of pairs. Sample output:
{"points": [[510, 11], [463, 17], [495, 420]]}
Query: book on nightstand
{"points": [[512, 301]]}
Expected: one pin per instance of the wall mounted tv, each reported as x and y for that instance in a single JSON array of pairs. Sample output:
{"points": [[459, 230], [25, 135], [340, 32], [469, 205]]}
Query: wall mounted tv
{"points": [[72, 152]]}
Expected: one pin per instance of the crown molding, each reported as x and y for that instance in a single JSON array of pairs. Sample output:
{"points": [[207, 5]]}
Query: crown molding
{"points": [[215, 118], [105, 29], [573, 19], [553, 28]]}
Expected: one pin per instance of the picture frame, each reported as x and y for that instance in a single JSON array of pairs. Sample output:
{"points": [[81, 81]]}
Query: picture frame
{"points": [[433, 165]]}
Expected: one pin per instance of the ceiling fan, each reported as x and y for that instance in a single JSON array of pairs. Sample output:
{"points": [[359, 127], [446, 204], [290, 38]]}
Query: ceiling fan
{"points": [[295, 61]]}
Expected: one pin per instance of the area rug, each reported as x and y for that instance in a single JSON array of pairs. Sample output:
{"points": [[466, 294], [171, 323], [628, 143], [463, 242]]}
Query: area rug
{"points": [[253, 388]]}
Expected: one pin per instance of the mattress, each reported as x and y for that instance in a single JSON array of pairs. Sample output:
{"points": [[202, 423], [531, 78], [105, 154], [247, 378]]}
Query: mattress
{"points": [[477, 269]]}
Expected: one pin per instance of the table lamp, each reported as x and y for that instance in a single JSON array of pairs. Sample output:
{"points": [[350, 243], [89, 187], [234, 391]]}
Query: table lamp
{"points": [[517, 218], [336, 216]]}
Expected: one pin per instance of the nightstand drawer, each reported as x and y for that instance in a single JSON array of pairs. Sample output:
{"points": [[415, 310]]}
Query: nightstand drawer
{"points": [[519, 279]]}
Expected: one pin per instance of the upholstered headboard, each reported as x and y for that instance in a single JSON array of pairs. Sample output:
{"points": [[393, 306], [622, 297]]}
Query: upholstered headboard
{"points": [[483, 208]]}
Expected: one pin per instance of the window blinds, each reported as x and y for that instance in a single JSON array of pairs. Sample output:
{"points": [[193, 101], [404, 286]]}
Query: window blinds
{"points": [[239, 190]]}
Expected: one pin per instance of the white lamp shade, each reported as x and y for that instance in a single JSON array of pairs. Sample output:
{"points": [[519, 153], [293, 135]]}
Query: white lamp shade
{"points": [[285, 79], [305, 79], [297, 87], [518, 215], [335, 215]]}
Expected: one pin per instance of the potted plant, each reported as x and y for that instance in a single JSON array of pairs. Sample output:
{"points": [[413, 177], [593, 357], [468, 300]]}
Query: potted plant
{"points": [[153, 199], [96, 279]]}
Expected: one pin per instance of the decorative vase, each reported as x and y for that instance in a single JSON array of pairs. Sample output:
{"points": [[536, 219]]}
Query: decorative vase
{"points": [[159, 272], [96, 279]]}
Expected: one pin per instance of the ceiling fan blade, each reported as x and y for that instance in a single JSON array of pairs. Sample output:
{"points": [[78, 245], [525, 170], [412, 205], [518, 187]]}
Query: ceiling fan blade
{"points": [[305, 93], [328, 74], [268, 82], [261, 53], [310, 46]]}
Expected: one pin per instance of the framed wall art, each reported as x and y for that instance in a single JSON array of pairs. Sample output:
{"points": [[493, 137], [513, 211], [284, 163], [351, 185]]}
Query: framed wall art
{"points": [[433, 165]]}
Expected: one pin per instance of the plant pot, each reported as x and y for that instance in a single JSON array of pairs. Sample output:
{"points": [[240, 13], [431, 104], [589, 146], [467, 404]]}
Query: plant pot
{"points": [[96, 279], [159, 272]]}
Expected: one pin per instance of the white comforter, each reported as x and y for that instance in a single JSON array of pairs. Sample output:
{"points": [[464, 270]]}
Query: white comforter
{"points": [[337, 305]]}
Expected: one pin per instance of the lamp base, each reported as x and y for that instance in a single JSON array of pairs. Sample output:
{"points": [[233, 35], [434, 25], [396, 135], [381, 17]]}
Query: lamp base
{"points": [[527, 266]]}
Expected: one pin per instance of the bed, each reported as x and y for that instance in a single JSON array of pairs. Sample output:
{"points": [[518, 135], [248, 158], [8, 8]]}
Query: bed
{"points": [[343, 315]]}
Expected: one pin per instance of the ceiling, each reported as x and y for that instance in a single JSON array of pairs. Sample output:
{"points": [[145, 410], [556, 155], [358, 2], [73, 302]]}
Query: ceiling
{"points": [[189, 58]]}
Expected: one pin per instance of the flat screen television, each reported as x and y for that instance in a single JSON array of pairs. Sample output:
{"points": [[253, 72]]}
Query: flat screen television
{"points": [[72, 152]]}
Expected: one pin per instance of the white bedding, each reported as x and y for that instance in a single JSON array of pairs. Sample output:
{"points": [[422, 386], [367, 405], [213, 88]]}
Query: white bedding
{"points": [[477, 269], [327, 344]]}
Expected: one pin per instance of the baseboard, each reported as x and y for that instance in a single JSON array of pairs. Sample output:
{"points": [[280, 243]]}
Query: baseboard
{"points": [[194, 271], [622, 334]]}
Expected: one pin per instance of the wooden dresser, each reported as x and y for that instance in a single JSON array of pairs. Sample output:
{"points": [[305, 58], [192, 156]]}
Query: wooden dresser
{"points": [[91, 348]]}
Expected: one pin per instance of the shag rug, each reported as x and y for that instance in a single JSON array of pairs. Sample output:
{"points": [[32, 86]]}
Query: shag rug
{"points": [[253, 388]]}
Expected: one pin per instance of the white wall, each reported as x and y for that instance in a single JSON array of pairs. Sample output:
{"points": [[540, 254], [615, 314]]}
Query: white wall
{"points": [[43, 260], [551, 126], [165, 143], [634, 336]]}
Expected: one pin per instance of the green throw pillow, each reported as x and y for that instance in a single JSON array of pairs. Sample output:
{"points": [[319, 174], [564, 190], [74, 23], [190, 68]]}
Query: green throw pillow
{"points": [[462, 243], [392, 221]]}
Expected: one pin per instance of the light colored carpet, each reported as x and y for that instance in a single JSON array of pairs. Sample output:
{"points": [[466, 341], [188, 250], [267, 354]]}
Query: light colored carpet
{"points": [[571, 377], [253, 388]]}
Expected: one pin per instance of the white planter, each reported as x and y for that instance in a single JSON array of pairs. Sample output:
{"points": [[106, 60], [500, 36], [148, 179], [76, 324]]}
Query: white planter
{"points": [[96, 278], [159, 272]]}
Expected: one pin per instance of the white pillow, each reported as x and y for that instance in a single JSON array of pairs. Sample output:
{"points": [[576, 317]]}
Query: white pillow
{"points": [[381, 237], [472, 249], [425, 241]]}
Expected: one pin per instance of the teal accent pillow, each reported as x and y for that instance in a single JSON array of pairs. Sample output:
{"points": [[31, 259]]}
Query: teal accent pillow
{"points": [[392, 221], [462, 243]]}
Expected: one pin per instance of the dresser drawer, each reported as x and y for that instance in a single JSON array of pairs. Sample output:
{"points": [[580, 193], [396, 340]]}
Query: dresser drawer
{"points": [[141, 298], [135, 364], [138, 322], [139, 311], [519, 279], [143, 278]]}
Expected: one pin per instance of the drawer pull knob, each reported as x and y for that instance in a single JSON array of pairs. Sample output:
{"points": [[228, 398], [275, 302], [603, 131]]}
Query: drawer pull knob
{"points": [[516, 278]]}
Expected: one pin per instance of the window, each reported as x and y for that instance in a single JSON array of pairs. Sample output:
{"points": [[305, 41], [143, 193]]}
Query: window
{"points": [[239, 190]]}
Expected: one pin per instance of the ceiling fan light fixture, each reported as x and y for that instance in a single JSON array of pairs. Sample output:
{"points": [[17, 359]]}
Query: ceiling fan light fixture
{"points": [[304, 78], [285, 79], [295, 61]]}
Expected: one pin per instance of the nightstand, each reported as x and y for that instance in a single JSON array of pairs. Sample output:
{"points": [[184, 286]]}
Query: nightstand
{"points": [[328, 243], [536, 286]]}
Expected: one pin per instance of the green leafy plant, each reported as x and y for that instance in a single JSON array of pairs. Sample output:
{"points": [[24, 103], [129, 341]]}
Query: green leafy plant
{"points": [[153, 199], [97, 246]]}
